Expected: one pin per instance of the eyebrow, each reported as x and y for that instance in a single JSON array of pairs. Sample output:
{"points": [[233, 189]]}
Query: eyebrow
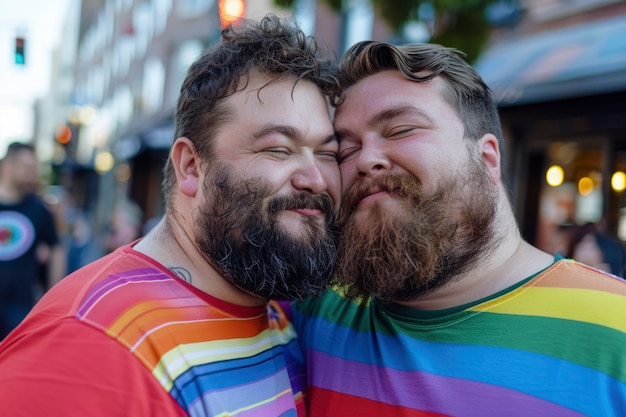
{"points": [[288, 131], [385, 116], [389, 114]]}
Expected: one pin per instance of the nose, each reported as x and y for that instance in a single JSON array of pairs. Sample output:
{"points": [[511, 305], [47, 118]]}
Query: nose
{"points": [[372, 159], [309, 178]]}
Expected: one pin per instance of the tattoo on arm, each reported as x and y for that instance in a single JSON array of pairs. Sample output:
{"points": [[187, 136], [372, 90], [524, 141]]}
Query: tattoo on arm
{"points": [[181, 273]]}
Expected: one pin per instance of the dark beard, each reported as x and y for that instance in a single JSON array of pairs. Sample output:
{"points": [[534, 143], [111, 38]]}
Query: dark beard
{"points": [[244, 241], [422, 246]]}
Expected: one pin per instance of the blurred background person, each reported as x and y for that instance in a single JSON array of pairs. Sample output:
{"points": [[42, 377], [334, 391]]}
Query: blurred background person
{"points": [[591, 246], [83, 246], [28, 237], [126, 225]]}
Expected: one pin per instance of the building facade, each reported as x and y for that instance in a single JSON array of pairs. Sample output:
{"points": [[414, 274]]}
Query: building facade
{"points": [[559, 74], [132, 58]]}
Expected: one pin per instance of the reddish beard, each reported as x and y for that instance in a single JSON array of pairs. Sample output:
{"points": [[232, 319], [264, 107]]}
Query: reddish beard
{"points": [[421, 244]]}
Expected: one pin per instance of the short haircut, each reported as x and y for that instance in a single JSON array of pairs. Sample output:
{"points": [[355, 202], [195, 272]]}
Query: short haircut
{"points": [[16, 147], [465, 90]]}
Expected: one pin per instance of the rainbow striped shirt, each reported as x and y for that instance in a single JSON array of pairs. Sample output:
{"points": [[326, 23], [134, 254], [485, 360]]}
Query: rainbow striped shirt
{"points": [[138, 331], [553, 346]]}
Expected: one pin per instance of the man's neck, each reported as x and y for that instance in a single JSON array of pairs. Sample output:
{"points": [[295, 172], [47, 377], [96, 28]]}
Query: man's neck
{"points": [[9, 195], [507, 261], [174, 248]]}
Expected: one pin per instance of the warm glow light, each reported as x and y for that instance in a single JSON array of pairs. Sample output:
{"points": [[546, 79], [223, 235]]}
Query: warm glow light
{"points": [[585, 186], [87, 114], [555, 175], [230, 11], [618, 181], [104, 162]]}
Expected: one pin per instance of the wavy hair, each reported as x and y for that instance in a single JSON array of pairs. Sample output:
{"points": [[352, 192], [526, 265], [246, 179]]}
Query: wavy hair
{"points": [[273, 46]]}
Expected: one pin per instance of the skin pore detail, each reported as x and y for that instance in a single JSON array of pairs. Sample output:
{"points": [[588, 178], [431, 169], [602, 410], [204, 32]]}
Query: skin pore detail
{"points": [[181, 273]]}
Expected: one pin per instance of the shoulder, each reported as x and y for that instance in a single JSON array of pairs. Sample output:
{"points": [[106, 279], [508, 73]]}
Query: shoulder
{"points": [[119, 287], [579, 293], [35, 201], [568, 273], [88, 372]]}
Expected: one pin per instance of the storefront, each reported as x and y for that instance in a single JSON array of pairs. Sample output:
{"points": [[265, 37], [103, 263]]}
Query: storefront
{"points": [[562, 101], [145, 153]]}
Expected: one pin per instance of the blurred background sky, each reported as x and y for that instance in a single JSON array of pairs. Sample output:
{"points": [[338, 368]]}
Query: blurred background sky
{"points": [[39, 22]]}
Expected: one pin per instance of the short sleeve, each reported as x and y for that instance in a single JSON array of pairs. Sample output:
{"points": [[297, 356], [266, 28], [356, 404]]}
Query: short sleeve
{"points": [[72, 369]]}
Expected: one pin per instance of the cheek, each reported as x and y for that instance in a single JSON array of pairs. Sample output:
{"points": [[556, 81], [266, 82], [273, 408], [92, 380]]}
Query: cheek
{"points": [[348, 175], [425, 163], [332, 176]]}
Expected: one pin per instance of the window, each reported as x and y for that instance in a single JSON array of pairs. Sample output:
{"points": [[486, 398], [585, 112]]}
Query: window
{"points": [[153, 85]]}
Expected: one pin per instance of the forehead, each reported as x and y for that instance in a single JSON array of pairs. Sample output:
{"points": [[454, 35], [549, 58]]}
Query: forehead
{"points": [[287, 99], [261, 89], [297, 110], [387, 89], [23, 156]]}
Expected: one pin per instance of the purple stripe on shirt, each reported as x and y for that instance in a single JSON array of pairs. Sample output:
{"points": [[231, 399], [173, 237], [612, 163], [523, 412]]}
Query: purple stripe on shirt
{"points": [[117, 280], [429, 392]]}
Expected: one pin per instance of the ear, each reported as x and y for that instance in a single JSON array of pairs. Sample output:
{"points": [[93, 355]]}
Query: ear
{"points": [[186, 164], [490, 152]]}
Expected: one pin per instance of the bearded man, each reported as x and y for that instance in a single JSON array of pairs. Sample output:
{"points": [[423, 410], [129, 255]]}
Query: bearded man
{"points": [[442, 309], [179, 323]]}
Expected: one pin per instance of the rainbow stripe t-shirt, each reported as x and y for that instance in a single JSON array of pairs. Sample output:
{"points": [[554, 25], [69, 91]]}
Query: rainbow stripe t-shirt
{"points": [[125, 337], [553, 346]]}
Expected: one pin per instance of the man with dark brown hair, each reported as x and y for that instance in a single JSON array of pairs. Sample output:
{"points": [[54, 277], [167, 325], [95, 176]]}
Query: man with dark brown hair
{"points": [[180, 323]]}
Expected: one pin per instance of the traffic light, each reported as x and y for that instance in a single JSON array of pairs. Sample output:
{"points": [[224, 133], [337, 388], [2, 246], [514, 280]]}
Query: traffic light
{"points": [[20, 55], [231, 11], [63, 134]]}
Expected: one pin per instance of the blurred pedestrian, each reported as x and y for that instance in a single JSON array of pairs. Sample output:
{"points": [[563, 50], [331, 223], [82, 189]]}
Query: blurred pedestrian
{"points": [[180, 323], [594, 247], [126, 224], [28, 237], [83, 246]]}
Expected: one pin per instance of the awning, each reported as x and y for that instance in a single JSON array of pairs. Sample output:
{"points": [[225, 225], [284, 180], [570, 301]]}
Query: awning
{"points": [[582, 60]]}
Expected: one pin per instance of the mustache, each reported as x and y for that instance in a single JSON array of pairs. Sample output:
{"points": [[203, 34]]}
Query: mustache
{"points": [[321, 202], [403, 185], [399, 184]]}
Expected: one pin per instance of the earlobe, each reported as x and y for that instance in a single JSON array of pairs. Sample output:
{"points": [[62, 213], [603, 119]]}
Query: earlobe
{"points": [[490, 151], [186, 162]]}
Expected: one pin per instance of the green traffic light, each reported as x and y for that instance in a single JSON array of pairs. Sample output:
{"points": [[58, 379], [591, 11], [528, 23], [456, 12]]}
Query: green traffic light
{"points": [[20, 57]]}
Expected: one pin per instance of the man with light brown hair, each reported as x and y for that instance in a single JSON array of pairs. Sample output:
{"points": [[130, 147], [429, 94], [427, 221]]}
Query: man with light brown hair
{"points": [[446, 310]]}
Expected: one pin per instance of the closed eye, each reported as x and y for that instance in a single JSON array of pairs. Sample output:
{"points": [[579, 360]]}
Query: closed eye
{"points": [[346, 153], [401, 132], [278, 151], [331, 156]]}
